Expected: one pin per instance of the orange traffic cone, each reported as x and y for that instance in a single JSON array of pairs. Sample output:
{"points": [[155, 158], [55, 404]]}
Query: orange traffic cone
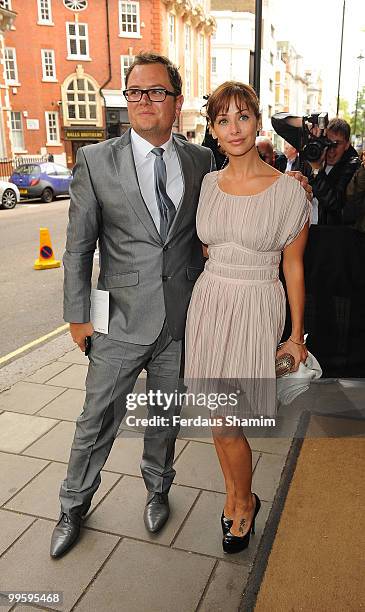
{"points": [[46, 258]]}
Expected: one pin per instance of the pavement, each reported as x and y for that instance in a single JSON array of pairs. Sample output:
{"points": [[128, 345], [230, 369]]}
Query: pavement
{"points": [[116, 565]]}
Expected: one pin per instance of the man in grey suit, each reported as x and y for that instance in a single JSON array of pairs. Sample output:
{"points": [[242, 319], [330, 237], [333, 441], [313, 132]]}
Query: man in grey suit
{"points": [[137, 195]]}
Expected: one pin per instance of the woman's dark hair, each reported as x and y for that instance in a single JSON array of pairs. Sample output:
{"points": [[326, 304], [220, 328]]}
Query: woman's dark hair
{"points": [[152, 58], [219, 100]]}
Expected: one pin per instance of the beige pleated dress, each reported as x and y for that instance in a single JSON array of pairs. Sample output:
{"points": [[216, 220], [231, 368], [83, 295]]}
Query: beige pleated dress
{"points": [[237, 310]]}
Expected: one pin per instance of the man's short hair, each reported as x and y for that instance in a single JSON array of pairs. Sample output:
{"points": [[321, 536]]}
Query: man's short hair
{"points": [[341, 126], [153, 58]]}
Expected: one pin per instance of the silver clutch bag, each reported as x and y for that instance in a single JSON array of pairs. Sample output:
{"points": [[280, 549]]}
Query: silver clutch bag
{"points": [[284, 364]]}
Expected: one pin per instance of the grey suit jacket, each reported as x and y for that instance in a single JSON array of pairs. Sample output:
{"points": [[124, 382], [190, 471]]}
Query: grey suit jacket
{"points": [[147, 280]]}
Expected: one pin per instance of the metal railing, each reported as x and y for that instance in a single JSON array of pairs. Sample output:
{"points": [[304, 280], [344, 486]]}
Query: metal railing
{"points": [[9, 165]]}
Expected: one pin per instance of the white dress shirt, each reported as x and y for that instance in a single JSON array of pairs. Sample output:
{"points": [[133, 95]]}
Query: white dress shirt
{"points": [[144, 162], [289, 164]]}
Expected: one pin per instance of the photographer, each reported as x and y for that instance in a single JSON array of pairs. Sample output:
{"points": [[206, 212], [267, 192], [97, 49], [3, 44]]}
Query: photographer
{"points": [[334, 161], [354, 210]]}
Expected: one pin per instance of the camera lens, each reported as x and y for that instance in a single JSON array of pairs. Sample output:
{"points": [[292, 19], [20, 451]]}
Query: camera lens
{"points": [[313, 150]]}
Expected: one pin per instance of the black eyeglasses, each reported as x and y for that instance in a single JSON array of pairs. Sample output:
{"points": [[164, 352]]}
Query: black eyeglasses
{"points": [[154, 95]]}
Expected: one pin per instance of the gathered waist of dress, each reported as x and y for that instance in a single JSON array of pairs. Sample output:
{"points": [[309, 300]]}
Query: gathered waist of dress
{"points": [[243, 273]]}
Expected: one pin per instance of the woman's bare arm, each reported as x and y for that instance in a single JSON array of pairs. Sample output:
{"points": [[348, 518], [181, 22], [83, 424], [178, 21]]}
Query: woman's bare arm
{"points": [[293, 268]]}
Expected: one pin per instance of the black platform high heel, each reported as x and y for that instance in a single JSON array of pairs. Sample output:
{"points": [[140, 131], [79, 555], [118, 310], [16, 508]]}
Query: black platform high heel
{"points": [[226, 523], [235, 544]]}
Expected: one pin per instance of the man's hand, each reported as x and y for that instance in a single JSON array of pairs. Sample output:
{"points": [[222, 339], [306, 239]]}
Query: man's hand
{"points": [[304, 183], [79, 331]]}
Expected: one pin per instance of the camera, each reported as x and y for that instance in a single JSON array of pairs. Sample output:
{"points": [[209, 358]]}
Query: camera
{"points": [[313, 146]]}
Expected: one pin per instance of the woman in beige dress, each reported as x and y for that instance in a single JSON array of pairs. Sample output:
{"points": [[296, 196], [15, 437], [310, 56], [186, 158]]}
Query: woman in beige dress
{"points": [[248, 214]]}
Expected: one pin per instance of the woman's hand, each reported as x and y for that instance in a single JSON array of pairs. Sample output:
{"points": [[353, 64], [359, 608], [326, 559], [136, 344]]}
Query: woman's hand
{"points": [[300, 353]]}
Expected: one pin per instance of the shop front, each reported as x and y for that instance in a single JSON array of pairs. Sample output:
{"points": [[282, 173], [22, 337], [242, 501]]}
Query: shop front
{"points": [[77, 137]]}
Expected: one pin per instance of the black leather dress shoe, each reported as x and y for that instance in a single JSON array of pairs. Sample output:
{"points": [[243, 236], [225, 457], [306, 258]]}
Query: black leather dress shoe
{"points": [[157, 511], [65, 534]]}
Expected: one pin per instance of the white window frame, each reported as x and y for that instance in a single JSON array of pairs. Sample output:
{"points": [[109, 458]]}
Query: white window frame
{"points": [[6, 4], [77, 38], [173, 46], [214, 64], [44, 5], [187, 51], [132, 3], [125, 62], [201, 65], [17, 149], [7, 61], [48, 115], [46, 77], [86, 103]]}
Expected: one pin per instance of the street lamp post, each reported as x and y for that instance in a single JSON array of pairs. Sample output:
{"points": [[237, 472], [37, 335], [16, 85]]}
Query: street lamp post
{"points": [[257, 58], [359, 57], [339, 68]]}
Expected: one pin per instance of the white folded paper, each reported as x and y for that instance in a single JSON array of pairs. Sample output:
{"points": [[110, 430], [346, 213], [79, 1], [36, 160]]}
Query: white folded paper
{"points": [[99, 310]]}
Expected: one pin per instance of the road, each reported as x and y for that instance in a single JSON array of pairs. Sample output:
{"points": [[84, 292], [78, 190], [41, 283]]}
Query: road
{"points": [[31, 300]]}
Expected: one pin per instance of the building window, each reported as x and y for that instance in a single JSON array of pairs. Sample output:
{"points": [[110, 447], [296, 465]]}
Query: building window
{"points": [[81, 100], [77, 41], [271, 85], [75, 5], [129, 21], [172, 37], [48, 65], [17, 135], [53, 133], [272, 31], [269, 111], [44, 12], [214, 65], [187, 47], [201, 83], [125, 62], [271, 58], [11, 69], [6, 4]]}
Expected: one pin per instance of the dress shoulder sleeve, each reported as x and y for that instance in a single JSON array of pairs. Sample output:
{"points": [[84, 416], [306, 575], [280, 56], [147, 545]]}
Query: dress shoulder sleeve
{"points": [[297, 211]]}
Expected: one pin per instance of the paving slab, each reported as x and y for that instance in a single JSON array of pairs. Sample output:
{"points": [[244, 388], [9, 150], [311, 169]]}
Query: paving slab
{"points": [[48, 371], [72, 378], [27, 566], [17, 431], [75, 356], [27, 398], [40, 497], [198, 467], [266, 476], [28, 609], [11, 527], [66, 407], [168, 580], [225, 589], [126, 454], [15, 472], [4, 605], [277, 446], [202, 532], [55, 445], [121, 512]]}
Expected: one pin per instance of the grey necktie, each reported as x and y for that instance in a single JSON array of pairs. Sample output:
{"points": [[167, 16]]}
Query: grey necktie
{"points": [[164, 203]]}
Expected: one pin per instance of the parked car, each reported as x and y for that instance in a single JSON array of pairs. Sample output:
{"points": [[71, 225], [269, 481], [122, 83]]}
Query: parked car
{"points": [[43, 180], [9, 195]]}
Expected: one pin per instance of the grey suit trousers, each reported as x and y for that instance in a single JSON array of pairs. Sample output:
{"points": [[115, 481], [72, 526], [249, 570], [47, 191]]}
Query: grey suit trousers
{"points": [[113, 370]]}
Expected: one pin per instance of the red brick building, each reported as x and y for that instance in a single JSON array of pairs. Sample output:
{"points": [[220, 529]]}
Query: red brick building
{"points": [[65, 60]]}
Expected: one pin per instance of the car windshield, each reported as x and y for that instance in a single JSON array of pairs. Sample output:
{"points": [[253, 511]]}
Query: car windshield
{"points": [[28, 169]]}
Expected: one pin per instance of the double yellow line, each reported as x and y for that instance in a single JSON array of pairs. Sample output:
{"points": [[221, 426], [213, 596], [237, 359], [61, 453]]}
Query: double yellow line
{"points": [[24, 348]]}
